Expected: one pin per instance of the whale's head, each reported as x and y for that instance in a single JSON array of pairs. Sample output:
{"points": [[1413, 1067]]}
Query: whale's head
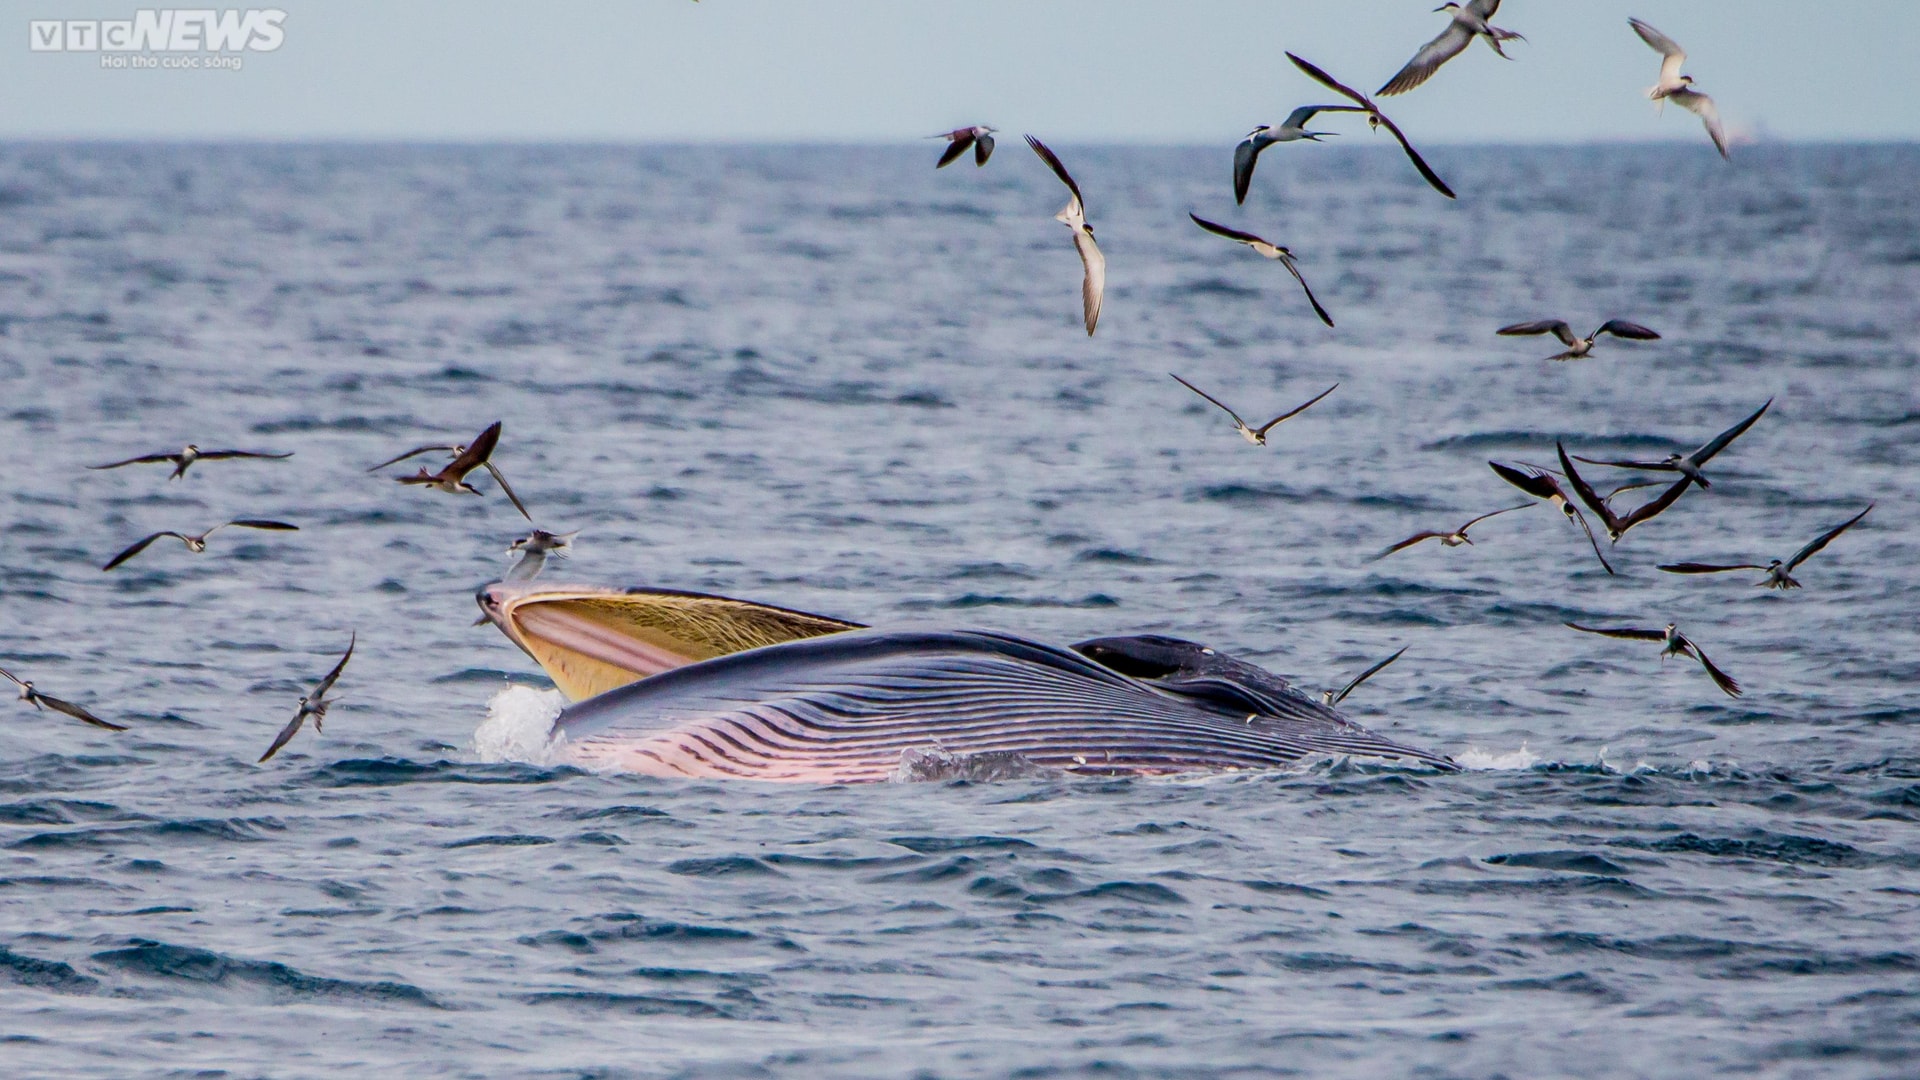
{"points": [[592, 639]]}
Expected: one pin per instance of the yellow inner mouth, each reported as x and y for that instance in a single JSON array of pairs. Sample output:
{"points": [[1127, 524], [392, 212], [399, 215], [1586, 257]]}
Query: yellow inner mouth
{"points": [[592, 641]]}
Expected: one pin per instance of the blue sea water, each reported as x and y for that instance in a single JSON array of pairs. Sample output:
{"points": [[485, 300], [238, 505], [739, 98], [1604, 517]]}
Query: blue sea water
{"points": [[837, 380]]}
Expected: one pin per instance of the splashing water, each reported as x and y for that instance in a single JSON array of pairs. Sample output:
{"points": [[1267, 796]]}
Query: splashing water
{"points": [[519, 720], [1476, 758]]}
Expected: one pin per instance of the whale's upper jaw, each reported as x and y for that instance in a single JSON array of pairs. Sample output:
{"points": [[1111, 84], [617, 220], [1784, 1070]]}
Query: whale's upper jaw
{"points": [[591, 639]]}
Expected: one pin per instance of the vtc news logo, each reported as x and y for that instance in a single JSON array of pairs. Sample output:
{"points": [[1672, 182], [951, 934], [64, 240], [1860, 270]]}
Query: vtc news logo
{"points": [[162, 30]]}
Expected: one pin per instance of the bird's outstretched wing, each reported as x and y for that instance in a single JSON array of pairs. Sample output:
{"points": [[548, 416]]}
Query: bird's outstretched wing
{"points": [[1287, 261], [286, 733], [1719, 442], [957, 146], [76, 712], [1824, 538], [1649, 510], [415, 452], [1451, 42], [1093, 281], [505, 487], [1674, 56], [1586, 493], [1407, 543], [1630, 632], [1495, 513], [1621, 328], [139, 547], [1209, 397], [1663, 466], [477, 453], [1365, 675], [256, 523], [1298, 118], [1059, 170], [1557, 327], [1703, 107], [223, 455], [1333, 84], [1221, 230], [1720, 678], [333, 676], [146, 459], [1420, 163], [1706, 568], [1283, 417], [1244, 157], [1535, 484], [982, 149]]}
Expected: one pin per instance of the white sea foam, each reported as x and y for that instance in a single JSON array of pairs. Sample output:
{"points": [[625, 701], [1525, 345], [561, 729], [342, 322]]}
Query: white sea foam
{"points": [[518, 721], [1476, 758]]}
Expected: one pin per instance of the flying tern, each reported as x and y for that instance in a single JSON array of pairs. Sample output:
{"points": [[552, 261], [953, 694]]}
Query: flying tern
{"points": [[1579, 348], [980, 137], [1449, 539], [452, 479], [1779, 574], [1074, 216], [1268, 250], [1537, 483], [1256, 436], [39, 700], [1469, 22], [1675, 644], [1331, 698], [1292, 129], [314, 704], [1678, 88], [1689, 465], [186, 456], [197, 542], [1375, 119]]}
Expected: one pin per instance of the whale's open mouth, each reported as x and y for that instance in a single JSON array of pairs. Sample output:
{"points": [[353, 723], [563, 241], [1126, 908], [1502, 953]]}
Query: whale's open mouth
{"points": [[592, 639]]}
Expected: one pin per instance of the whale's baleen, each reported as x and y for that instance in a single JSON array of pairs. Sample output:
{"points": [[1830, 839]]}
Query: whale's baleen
{"points": [[844, 705]]}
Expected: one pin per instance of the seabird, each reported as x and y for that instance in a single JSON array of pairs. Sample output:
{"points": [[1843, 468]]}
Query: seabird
{"points": [[533, 550], [1779, 575], [452, 479], [1256, 436], [1268, 250], [1579, 348], [1618, 524], [1677, 644], [1292, 129], [980, 137], [1450, 539], [198, 543], [314, 704], [1689, 464], [1538, 484], [1375, 119], [1469, 22], [1074, 216], [187, 455], [1330, 698], [42, 701], [1678, 88]]}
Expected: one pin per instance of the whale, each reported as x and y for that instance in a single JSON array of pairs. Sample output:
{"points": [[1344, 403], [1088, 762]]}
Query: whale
{"points": [[683, 684]]}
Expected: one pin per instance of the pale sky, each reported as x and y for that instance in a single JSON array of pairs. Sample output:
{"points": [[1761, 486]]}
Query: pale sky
{"points": [[1193, 72]]}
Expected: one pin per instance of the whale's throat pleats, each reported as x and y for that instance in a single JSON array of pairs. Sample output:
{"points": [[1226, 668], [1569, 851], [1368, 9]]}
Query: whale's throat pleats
{"points": [[590, 642]]}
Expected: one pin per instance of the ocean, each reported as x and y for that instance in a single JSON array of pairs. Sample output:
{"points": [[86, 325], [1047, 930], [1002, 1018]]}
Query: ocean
{"points": [[834, 379]]}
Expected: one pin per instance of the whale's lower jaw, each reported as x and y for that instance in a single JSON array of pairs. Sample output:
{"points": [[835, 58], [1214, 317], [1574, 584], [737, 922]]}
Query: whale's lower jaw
{"points": [[843, 709]]}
